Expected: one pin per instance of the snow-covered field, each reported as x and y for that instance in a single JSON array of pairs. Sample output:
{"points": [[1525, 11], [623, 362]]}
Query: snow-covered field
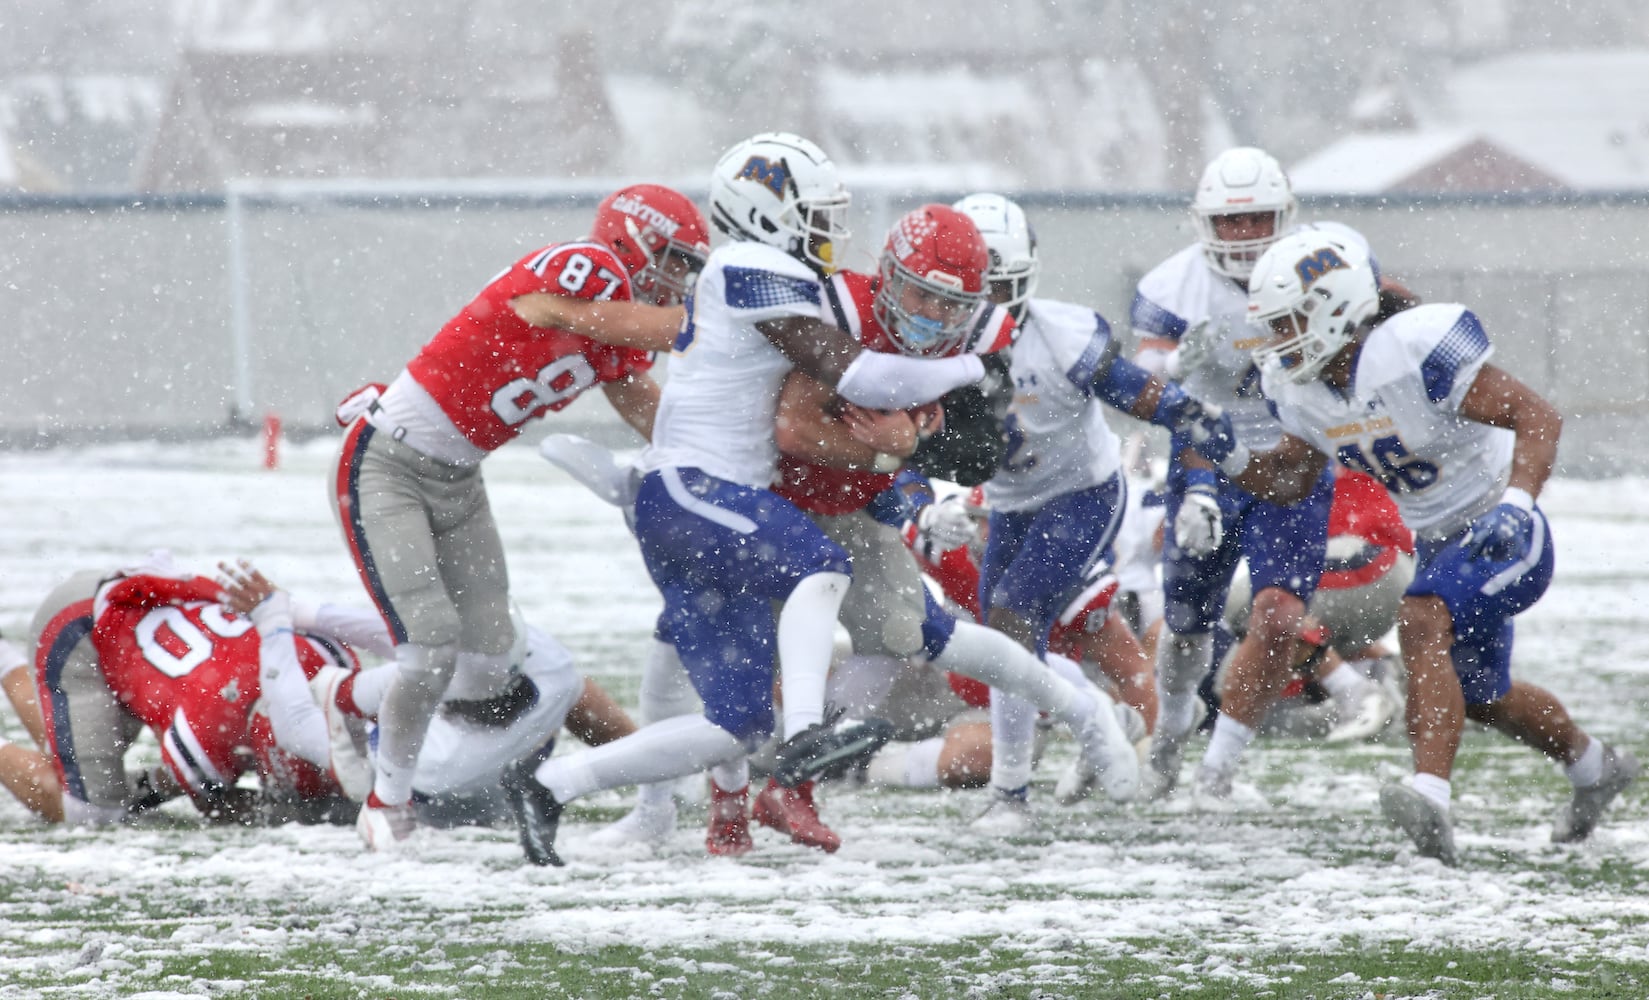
{"points": [[1196, 901]]}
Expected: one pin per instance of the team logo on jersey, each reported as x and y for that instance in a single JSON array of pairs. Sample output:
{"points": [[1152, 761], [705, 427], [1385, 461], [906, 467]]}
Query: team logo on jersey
{"points": [[649, 217], [771, 174], [1314, 266]]}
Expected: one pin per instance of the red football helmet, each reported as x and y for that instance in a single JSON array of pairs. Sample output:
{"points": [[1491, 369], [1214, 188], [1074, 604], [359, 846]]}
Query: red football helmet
{"points": [[659, 235], [932, 280]]}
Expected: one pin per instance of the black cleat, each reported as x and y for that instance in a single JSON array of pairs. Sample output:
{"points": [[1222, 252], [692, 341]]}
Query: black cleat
{"points": [[537, 813], [498, 712], [829, 750]]}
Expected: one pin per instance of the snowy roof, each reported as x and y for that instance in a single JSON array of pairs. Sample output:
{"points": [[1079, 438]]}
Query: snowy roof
{"points": [[1581, 116], [1576, 120], [1372, 162]]}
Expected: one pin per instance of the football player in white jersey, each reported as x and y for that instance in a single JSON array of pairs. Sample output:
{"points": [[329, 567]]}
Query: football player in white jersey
{"points": [[1189, 316], [720, 545], [1465, 449], [1058, 492]]}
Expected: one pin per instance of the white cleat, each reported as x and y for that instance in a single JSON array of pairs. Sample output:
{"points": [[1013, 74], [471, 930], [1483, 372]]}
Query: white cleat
{"points": [[1105, 758], [1427, 823], [1580, 816], [1211, 789], [1163, 761], [1363, 715], [1007, 815], [647, 825], [383, 829]]}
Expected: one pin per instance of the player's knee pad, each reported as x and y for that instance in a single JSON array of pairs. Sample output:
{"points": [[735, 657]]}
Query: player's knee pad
{"points": [[429, 669], [429, 617]]}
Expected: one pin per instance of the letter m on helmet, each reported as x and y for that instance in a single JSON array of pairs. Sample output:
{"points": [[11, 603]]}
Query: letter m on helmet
{"points": [[774, 175], [1312, 267]]}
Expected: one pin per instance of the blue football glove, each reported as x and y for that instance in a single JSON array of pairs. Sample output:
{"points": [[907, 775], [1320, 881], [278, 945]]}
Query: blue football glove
{"points": [[1208, 426], [1500, 535]]}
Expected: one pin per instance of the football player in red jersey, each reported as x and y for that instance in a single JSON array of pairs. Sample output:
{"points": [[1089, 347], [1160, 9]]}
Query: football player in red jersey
{"points": [[408, 490], [147, 647]]}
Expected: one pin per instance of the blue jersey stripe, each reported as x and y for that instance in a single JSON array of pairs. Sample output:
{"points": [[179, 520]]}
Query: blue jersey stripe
{"points": [[1153, 320], [1463, 344], [749, 288], [1082, 372]]}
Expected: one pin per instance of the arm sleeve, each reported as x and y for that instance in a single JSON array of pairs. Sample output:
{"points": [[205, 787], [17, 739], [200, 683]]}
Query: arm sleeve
{"points": [[358, 627], [892, 382], [299, 724]]}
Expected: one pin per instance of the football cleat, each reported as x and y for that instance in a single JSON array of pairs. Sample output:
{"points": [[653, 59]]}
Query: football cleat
{"points": [[537, 813], [383, 827], [829, 750], [1105, 757], [1008, 814], [1580, 816], [646, 824], [791, 812], [1162, 767], [1364, 715], [1211, 787], [729, 833], [1427, 823]]}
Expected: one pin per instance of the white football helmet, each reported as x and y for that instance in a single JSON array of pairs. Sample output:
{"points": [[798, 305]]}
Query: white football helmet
{"points": [[1324, 287], [1012, 244], [782, 190], [1241, 181]]}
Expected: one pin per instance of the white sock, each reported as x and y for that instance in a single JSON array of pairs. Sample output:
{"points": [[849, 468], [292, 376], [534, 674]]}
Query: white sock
{"points": [[1432, 787], [664, 750], [421, 676], [732, 775], [666, 690], [988, 656], [1588, 769], [1225, 748], [1013, 741], [807, 636]]}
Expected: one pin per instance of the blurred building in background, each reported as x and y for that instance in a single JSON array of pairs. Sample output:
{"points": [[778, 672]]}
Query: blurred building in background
{"points": [[1475, 95]]}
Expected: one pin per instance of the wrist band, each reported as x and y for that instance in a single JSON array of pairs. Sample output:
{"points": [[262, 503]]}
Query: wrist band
{"points": [[888, 462], [1518, 497]]}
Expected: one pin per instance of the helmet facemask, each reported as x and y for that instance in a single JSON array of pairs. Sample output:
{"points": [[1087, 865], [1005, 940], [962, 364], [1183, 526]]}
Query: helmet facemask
{"points": [[1014, 267], [932, 281], [1311, 295], [1235, 258], [1241, 182], [924, 316], [780, 189], [672, 267]]}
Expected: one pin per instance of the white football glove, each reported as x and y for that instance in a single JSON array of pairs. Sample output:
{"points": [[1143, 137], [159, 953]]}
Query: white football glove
{"points": [[1197, 527], [946, 525], [1196, 347]]}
